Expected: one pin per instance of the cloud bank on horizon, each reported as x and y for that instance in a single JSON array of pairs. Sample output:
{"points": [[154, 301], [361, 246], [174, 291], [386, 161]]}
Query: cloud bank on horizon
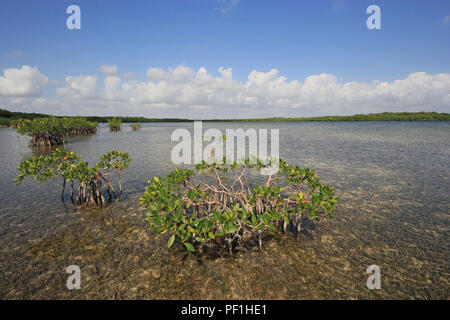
{"points": [[186, 93]]}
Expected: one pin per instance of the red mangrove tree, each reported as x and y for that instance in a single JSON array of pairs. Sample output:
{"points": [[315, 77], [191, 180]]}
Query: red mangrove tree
{"points": [[88, 185], [114, 124], [229, 204], [51, 131], [135, 126]]}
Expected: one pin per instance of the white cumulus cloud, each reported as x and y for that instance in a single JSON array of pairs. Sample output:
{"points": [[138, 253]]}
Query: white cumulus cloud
{"points": [[109, 70], [80, 87], [186, 93], [24, 82]]}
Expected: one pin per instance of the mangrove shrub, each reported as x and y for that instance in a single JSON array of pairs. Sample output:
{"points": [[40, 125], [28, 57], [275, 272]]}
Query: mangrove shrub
{"points": [[114, 124], [4, 122], [135, 126], [87, 184], [224, 204], [50, 131]]}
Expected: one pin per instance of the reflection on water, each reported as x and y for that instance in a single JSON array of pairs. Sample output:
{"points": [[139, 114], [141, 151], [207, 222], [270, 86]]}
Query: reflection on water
{"points": [[392, 178]]}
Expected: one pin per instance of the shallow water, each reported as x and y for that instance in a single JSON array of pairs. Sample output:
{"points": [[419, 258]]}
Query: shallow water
{"points": [[392, 178]]}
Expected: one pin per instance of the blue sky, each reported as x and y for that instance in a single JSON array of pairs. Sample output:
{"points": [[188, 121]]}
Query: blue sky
{"points": [[297, 38]]}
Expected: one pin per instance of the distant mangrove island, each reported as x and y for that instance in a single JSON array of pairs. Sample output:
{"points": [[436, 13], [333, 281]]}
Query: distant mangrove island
{"points": [[7, 116]]}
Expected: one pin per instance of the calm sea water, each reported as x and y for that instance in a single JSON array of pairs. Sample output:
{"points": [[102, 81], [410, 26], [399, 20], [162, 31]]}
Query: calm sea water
{"points": [[392, 178]]}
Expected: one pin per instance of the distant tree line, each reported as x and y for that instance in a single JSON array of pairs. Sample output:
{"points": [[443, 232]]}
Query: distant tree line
{"points": [[7, 116], [385, 116]]}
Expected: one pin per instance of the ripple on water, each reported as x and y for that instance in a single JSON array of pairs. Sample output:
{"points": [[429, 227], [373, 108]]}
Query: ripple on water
{"points": [[392, 179]]}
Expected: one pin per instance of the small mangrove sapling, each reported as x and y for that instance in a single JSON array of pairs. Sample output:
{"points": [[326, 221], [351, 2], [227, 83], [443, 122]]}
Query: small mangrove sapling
{"points": [[88, 182], [114, 124], [135, 126]]}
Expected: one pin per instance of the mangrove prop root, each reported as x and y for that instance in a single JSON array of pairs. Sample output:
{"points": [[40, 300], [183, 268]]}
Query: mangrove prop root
{"points": [[45, 140], [90, 193], [63, 187], [56, 139]]}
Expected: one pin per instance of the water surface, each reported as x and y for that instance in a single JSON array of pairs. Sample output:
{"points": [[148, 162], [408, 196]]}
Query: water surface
{"points": [[392, 178]]}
